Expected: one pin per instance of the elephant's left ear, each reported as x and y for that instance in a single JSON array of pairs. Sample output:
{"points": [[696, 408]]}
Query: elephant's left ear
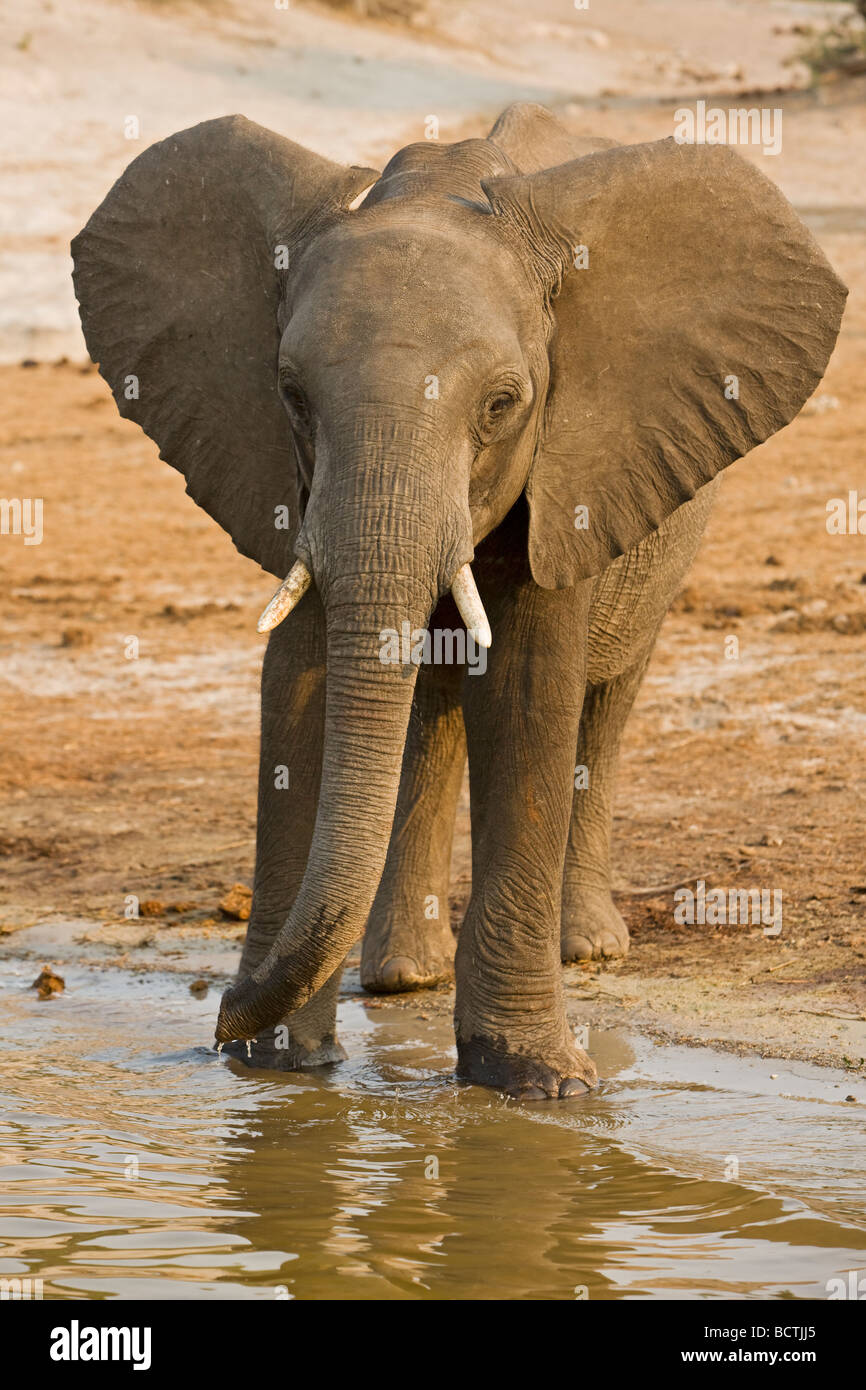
{"points": [[696, 315]]}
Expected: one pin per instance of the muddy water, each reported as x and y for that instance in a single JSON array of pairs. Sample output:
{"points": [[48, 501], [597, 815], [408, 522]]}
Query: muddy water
{"points": [[137, 1164]]}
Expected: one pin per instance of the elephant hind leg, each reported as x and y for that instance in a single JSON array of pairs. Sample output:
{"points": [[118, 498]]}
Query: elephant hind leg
{"points": [[592, 925], [408, 943]]}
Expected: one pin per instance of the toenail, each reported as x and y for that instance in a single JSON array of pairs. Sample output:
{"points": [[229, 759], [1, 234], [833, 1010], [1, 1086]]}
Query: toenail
{"points": [[530, 1093], [573, 1086]]}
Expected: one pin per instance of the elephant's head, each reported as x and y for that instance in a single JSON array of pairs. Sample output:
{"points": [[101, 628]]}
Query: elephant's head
{"points": [[359, 389]]}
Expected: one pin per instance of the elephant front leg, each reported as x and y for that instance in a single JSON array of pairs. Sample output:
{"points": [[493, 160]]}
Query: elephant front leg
{"points": [[408, 943], [290, 765], [521, 730]]}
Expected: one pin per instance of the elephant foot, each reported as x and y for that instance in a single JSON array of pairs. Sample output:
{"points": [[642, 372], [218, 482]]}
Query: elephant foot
{"points": [[277, 1049], [592, 925], [558, 1074], [398, 961]]}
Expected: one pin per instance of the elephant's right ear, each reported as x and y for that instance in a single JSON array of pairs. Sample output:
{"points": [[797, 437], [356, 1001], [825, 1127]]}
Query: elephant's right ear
{"points": [[178, 278]]}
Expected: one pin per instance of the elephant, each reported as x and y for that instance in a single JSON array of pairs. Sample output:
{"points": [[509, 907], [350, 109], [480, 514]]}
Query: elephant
{"points": [[487, 392]]}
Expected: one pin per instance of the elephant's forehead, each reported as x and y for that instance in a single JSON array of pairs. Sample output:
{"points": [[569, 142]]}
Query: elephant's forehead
{"points": [[414, 311], [415, 263]]}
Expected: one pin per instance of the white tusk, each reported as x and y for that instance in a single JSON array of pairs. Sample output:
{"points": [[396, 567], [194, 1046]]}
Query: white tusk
{"points": [[468, 601], [356, 202], [293, 588]]}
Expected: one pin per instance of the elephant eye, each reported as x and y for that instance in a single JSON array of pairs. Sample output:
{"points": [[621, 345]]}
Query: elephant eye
{"points": [[500, 403], [496, 408], [296, 404]]}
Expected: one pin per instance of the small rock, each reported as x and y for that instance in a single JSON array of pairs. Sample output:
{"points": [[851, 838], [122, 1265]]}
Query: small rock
{"points": [[152, 908], [237, 902], [774, 1076], [850, 1097], [76, 637], [199, 987], [48, 983]]}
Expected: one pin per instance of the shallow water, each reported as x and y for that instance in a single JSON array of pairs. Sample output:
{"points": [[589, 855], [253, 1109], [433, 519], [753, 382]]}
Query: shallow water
{"points": [[135, 1164]]}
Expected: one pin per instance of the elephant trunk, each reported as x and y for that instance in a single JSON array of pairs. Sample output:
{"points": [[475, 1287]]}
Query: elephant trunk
{"points": [[366, 718], [378, 573]]}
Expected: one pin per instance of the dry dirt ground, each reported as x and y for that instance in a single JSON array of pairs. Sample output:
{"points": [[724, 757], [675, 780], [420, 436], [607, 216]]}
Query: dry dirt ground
{"points": [[135, 775]]}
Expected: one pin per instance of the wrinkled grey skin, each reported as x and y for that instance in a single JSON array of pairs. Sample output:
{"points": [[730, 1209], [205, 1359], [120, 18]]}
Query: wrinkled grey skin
{"points": [[558, 387]]}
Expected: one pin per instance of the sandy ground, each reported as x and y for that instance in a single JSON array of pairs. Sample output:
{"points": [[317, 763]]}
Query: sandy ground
{"points": [[137, 776], [74, 74]]}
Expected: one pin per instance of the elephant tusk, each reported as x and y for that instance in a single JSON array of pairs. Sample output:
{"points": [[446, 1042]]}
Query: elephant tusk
{"points": [[468, 600], [293, 588]]}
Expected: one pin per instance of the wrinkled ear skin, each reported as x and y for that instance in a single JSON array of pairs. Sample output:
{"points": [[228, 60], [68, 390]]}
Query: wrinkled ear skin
{"points": [[705, 319], [179, 294]]}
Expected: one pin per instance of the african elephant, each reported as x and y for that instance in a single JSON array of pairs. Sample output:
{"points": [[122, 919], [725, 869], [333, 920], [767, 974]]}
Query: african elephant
{"points": [[531, 353]]}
